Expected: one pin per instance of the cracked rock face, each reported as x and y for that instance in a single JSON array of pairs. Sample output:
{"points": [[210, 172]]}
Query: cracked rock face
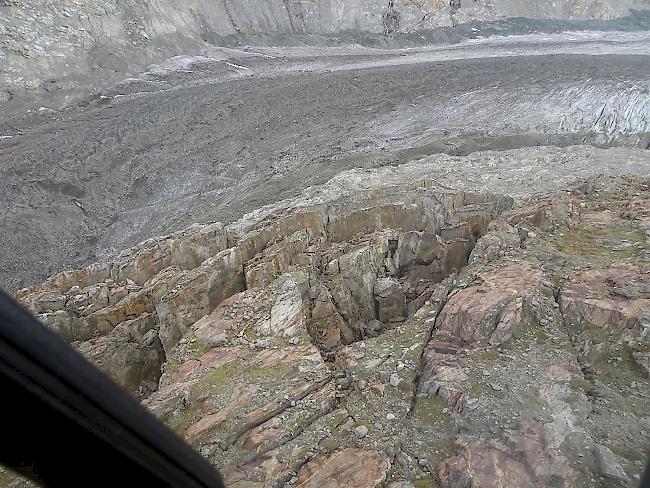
{"points": [[406, 336]]}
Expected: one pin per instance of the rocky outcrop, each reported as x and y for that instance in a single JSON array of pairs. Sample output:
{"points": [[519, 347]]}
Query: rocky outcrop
{"points": [[532, 410], [491, 309], [357, 468], [344, 249], [500, 239], [617, 296], [516, 460], [445, 340], [131, 358]]}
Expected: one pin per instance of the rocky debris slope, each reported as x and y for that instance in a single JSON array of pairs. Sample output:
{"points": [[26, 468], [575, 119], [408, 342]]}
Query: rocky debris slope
{"points": [[63, 46], [404, 336]]}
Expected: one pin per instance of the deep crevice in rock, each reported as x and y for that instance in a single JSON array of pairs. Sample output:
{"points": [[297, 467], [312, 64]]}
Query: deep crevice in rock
{"points": [[439, 305], [383, 278], [592, 391], [367, 262]]}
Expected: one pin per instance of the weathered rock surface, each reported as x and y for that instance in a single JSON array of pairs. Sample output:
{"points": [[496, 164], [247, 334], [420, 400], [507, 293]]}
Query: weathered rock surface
{"points": [[491, 309], [515, 460], [406, 336], [349, 467], [614, 296], [343, 249], [608, 464]]}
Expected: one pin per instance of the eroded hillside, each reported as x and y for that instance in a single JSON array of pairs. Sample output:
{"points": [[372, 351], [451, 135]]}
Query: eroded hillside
{"points": [[62, 51]]}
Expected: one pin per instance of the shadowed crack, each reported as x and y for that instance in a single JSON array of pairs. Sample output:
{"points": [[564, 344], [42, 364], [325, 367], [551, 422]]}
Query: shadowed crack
{"points": [[325, 410], [436, 309], [587, 373], [285, 405]]}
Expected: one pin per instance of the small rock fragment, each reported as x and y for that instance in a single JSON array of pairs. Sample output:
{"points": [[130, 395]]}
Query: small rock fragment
{"points": [[361, 431], [496, 387], [608, 464]]}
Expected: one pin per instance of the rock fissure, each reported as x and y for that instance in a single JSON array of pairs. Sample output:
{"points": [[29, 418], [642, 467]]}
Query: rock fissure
{"points": [[440, 302], [324, 411], [286, 404], [587, 374]]}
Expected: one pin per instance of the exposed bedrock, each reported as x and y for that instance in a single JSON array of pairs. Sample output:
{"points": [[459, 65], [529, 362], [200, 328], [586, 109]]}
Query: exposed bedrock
{"points": [[408, 335], [363, 262]]}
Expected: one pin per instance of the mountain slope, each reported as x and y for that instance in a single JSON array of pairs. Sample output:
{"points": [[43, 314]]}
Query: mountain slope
{"points": [[61, 47]]}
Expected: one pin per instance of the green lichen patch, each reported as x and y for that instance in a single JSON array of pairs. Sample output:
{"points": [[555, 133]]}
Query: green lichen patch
{"points": [[580, 383], [602, 245], [171, 365], [429, 410], [218, 383], [179, 421], [428, 482], [476, 387]]}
